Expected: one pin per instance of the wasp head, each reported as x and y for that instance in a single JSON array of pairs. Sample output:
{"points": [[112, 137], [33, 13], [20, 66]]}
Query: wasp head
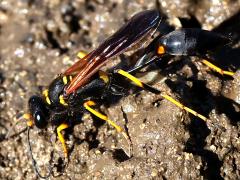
{"points": [[38, 111]]}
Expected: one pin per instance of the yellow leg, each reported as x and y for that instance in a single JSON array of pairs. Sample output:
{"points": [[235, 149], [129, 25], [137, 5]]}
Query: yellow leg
{"points": [[151, 89], [169, 98], [217, 69], [88, 105], [137, 82], [61, 138]]}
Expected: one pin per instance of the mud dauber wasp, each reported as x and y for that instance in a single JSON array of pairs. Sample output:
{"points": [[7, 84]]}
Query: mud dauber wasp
{"points": [[66, 97], [58, 108]]}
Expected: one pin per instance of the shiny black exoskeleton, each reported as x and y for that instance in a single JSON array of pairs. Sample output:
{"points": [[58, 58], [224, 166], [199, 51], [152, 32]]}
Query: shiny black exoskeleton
{"points": [[182, 42], [55, 90], [39, 111], [139, 26], [51, 109], [56, 113], [191, 42]]}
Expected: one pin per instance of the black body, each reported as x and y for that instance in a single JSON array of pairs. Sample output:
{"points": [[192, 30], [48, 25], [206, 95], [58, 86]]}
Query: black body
{"points": [[39, 111], [55, 90], [188, 42], [191, 42], [56, 113], [182, 42], [94, 91]]}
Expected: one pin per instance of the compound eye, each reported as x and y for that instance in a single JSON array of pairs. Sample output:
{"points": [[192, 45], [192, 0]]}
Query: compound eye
{"points": [[40, 120], [39, 111]]}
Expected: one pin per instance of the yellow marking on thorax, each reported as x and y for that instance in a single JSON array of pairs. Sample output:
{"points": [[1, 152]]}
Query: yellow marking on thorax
{"points": [[103, 75], [70, 77], [62, 101], [65, 80], [45, 94], [81, 54]]}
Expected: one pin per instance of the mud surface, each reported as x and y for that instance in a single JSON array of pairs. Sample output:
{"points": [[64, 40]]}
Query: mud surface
{"points": [[39, 39]]}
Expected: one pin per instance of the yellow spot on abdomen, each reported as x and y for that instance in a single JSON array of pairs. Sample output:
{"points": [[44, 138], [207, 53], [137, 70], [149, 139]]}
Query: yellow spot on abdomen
{"points": [[161, 50]]}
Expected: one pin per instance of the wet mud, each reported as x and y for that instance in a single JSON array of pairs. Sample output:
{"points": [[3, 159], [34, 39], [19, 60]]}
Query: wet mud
{"points": [[40, 39]]}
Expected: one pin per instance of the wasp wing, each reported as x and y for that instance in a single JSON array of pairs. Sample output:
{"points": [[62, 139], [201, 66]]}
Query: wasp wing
{"points": [[139, 26]]}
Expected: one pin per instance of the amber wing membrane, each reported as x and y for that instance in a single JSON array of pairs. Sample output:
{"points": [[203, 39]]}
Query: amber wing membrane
{"points": [[139, 26]]}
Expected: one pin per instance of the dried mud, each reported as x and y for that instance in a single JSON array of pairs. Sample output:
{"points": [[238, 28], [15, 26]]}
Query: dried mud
{"points": [[39, 39]]}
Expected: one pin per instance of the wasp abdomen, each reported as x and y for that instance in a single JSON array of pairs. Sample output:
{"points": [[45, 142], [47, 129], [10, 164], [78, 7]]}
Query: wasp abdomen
{"points": [[192, 42]]}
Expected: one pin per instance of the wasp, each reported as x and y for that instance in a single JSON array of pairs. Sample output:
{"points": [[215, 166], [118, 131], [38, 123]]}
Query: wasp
{"points": [[79, 88], [52, 108], [181, 42]]}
